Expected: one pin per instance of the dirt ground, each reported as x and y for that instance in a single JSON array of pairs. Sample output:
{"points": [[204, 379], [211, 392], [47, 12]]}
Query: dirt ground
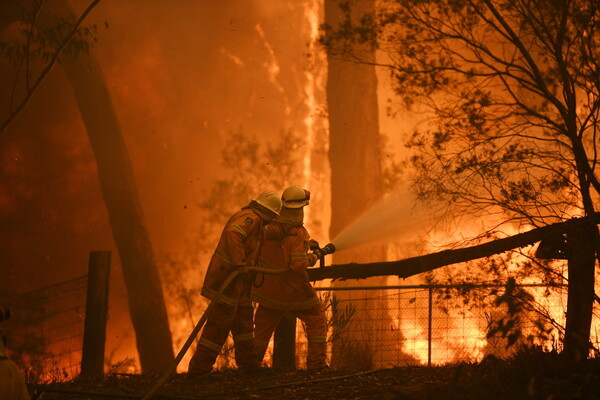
{"points": [[489, 380]]}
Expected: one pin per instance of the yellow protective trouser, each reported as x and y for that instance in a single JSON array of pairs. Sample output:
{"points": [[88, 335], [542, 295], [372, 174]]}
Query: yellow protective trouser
{"points": [[222, 319], [266, 320]]}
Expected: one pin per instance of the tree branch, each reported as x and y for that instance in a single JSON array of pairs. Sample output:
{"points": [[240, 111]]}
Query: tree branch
{"points": [[417, 265], [48, 67]]}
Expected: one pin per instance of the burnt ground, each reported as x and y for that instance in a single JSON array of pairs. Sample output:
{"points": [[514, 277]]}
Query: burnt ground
{"points": [[531, 376]]}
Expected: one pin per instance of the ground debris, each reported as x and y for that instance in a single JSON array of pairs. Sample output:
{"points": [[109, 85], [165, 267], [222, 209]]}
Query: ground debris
{"points": [[499, 381]]}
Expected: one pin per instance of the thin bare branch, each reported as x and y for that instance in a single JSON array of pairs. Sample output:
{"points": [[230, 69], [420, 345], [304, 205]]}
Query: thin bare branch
{"points": [[48, 67]]}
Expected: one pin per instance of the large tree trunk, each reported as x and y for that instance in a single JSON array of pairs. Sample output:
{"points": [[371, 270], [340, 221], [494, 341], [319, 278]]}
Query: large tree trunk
{"points": [[355, 140], [146, 300], [582, 240], [584, 243], [355, 160]]}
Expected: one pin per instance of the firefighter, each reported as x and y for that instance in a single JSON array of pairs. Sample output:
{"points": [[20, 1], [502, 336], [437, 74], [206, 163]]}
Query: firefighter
{"points": [[238, 247], [290, 292], [12, 383]]}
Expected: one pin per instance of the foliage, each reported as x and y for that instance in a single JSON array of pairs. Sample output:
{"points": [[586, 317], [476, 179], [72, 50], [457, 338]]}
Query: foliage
{"points": [[514, 91], [351, 350], [516, 314], [511, 89], [38, 46], [509, 325], [41, 44], [338, 317]]}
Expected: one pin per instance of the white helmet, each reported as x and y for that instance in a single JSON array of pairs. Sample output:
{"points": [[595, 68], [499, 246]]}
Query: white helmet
{"points": [[295, 197], [269, 200]]}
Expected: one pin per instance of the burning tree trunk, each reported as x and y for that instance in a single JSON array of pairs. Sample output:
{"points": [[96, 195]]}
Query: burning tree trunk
{"points": [[146, 303], [583, 241], [355, 145]]}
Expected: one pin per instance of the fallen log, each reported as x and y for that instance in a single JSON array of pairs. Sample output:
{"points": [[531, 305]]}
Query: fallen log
{"points": [[417, 265]]}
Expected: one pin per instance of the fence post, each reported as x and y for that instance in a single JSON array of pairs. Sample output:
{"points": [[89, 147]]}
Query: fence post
{"points": [[284, 346], [429, 321], [96, 313]]}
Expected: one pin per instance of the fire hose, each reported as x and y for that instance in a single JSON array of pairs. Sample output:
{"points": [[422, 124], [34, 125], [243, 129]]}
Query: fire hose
{"points": [[328, 249], [165, 377]]}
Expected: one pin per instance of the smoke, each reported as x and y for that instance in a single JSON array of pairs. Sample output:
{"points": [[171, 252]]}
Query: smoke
{"points": [[182, 78], [397, 216]]}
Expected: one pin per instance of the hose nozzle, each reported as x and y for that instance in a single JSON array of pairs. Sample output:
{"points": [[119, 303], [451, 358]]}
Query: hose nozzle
{"points": [[320, 253], [328, 249]]}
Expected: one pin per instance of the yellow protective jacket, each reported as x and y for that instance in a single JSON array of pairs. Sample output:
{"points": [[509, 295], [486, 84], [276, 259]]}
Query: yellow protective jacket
{"points": [[240, 243], [291, 291]]}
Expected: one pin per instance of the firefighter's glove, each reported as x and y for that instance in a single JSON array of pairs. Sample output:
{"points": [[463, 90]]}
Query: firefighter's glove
{"points": [[313, 244], [312, 258]]}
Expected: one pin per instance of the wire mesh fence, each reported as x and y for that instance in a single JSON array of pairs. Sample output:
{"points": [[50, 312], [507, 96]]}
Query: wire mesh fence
{"points": [[435, 324], [45, 333], [369, 327]]}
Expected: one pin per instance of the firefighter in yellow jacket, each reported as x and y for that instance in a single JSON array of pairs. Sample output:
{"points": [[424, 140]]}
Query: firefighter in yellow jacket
{"points": [[239, 246], [293, 292]]}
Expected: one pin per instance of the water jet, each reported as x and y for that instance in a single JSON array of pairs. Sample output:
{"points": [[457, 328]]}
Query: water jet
{"points": [[397, 216]]}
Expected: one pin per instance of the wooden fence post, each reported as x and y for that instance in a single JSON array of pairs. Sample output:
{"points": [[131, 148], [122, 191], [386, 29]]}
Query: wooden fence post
{"points": [[284, 346], [96, 314]]}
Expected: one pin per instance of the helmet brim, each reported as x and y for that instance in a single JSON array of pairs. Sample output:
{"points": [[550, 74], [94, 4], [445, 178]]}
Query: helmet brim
{"points": [[266, 207], [295, 204]]}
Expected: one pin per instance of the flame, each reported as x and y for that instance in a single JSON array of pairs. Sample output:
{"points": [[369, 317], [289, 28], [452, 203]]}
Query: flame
{"points": [[235, 59], [310, 13], [312, 83], [271, 64]]}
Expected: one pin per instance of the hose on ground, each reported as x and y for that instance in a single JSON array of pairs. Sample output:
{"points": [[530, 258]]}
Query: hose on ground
{"points": [[165, 377]]}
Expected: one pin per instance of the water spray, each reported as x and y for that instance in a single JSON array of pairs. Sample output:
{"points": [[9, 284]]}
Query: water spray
{"points": [[398, 216]]}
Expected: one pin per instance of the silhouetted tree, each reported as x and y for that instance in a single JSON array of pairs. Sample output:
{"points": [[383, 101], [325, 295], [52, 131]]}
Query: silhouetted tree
{"points": [[49, 25], [355, 158], [355, 141], [513, 87]]}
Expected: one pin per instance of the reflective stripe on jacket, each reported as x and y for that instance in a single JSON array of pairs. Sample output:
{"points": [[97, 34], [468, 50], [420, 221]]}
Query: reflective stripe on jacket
{"points": [[291, 291]]}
